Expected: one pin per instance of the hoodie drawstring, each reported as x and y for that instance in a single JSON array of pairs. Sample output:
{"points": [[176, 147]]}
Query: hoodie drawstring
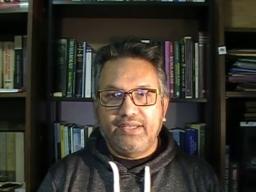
{"points": [[116, 179], [147, 183]]}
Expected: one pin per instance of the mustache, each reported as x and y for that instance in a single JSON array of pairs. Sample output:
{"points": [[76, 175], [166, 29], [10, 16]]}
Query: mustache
{"points": [[128, 121]]}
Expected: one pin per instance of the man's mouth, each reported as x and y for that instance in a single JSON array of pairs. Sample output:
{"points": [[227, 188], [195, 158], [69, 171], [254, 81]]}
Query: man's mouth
{"points": [[132, 128]]}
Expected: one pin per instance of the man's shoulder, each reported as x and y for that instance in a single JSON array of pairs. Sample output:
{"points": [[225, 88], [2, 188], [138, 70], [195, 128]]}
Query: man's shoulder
{"points": [[79, 159]]}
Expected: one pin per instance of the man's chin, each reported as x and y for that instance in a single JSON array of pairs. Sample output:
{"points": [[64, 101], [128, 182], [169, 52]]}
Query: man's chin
{"points": [[130, 144]]}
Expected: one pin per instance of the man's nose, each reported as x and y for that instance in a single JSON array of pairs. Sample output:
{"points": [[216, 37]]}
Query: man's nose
{"points": [[128, 107]]}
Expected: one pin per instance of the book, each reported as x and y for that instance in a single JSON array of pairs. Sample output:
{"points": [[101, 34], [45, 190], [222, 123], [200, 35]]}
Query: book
{"points": [[8, 65], [171, 70], [71, 68], [3, 157], [12, 157], [20, 158], [202, 62], [79, 69], [189, 67], [178, 136], [177, 71], [201, 137], [190, 141], [88, 71], [18, 63], [247, 133], [167, 63], [1, 64], [61, 68], [196, 70]]}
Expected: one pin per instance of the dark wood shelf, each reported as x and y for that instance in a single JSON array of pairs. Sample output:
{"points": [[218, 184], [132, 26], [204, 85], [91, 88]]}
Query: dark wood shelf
{"points": [[183, 100], [71, 99], [240, 94], [13, 95], [237, 29], [153, 9]]}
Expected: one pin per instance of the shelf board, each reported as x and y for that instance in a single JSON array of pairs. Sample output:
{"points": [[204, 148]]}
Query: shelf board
{"points": [[131, 9], [237, 29], [240, 94], [183, 100], [70, 99], [13, 95]]}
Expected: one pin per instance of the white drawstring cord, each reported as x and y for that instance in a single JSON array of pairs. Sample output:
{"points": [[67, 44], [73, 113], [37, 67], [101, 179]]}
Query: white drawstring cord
{"points": [[147, 183], [116, 184], [116, 176]]}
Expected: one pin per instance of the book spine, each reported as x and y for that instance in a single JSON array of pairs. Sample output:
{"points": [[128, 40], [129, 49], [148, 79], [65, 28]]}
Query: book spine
{"points": [[11, 151], [196, 71], [18, 64], [79, 70], [57, 141], [88, 73], [3, 156], [1, 64], [182, 68], [188, 43], [71, 67], [167, 63], [61, 67], [20, 165], [171, 70], [177, 69], [84, 69], [8, 65]]}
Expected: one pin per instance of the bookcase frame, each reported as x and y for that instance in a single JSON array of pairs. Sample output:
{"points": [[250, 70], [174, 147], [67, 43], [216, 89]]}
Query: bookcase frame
{"points": [[234, 16], [28, 103], [203, 13]]}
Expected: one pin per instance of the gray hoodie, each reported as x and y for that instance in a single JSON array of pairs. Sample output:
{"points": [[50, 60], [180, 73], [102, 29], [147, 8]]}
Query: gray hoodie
{"points": [[91, 170]]}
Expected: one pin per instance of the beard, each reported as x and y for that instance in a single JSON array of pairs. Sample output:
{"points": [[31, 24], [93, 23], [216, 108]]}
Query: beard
{"points": [[128, 144]]}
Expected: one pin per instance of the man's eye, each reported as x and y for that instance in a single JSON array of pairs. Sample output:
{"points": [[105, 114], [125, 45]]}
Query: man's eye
{"points": [[141, 92], [117, 94]]}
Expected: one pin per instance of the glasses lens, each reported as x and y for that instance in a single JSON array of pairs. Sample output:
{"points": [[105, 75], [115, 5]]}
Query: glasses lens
{"points": [[140, 97], [111, 98], [144, 96]]}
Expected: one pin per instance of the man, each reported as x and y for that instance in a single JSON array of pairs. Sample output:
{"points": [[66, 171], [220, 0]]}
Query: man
{"points": [[131, 151]]}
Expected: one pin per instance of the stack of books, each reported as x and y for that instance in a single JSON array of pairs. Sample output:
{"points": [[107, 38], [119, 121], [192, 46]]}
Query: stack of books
{"points": [[242, 72]]}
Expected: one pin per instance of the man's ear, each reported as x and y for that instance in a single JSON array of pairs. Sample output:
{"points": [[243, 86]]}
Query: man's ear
{"points": [[165, 103]]}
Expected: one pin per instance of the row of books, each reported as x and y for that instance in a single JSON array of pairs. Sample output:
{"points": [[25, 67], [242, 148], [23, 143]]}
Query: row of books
{"points": [[12, 62], [69, 138], [240, 159], [185, 64], [11, 156], [191, 138], [12, 4], [250, 111], [242, 72], [73, 69], [231, 173], [138, 0]]}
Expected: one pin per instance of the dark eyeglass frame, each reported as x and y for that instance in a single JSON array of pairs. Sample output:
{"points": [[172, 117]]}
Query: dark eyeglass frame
{"points": [[125, 93]]}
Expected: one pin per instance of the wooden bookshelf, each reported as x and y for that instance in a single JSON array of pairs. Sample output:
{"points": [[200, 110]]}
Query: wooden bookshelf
{"points": [[237, 30], [26, 107], [99, 22]]}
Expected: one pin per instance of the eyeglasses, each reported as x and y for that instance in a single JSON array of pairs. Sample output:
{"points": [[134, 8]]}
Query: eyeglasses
{"points": [[139, 96]]}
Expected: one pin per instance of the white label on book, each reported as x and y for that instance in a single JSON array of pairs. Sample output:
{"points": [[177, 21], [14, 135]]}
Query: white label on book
{"points": [[222, 50]]}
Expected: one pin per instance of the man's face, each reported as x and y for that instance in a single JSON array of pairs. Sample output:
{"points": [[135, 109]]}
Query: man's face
{"points": [[131, 131]]}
